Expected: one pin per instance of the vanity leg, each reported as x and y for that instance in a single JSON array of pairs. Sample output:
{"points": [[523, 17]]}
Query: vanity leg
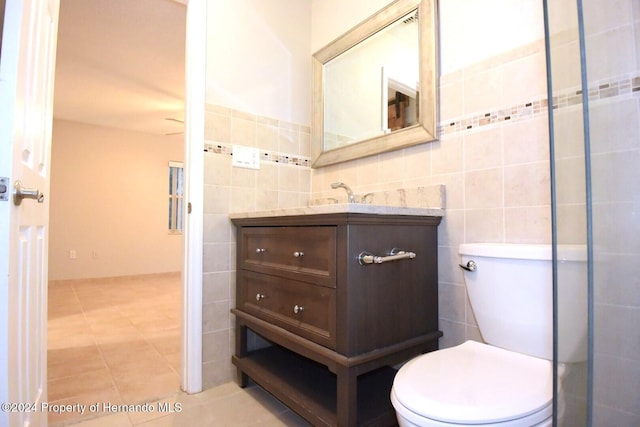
{"points": [[347, 393], [241, 351]]}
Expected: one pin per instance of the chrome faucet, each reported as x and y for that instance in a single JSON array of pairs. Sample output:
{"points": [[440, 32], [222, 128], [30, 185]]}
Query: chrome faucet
{"points": [[335, 185]]}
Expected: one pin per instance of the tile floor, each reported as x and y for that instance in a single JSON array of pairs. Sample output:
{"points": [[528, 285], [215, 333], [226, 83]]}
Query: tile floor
{"points": [[222, 406], [116, 342]]}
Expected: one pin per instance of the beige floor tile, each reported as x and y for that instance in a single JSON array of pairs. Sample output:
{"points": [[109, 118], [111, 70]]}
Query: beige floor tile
{"points": [[61, 340], [126, 352], [93, 406], [175, 360], [73, 386], [105, 326], [135, 389], [166, 344], [103, 314], [249, 407], [132, 327], [221, 391], [225, 405], [147, 365], [65, 307], [70, 324], [284, 419], [122, 335], [97, 354], [187, 418], [112, 420], [72, 361], [175, 403]]}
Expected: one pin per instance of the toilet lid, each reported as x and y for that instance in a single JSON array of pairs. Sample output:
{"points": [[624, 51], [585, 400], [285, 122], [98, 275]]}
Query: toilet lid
{"points": [[474, 382]]}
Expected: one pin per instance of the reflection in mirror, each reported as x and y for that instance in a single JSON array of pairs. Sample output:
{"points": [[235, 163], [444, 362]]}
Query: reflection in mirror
{"points": [[361, 85], [375, 87], [399, 102]]}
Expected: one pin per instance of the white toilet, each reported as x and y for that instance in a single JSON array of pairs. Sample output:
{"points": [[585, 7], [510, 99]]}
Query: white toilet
{"points": [[507, 382]]}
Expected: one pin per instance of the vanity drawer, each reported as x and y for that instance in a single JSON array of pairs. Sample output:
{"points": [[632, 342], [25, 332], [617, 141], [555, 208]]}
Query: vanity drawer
{"points": [[299, 253], [302, 308]]}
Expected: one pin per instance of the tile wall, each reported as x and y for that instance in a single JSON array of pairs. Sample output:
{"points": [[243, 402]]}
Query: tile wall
{"points": [[282, 181], [492, 156], [613, 73]]}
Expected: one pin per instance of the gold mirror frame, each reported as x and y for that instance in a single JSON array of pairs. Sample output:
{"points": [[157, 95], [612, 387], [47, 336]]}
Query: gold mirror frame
{"points": [[424, 130]]}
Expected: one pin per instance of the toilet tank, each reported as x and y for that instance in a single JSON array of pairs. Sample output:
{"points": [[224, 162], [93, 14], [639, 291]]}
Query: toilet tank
{"points": [[511, 294]]}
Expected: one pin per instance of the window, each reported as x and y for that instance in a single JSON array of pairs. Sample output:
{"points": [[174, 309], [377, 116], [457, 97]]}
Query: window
{"points": [[176, 176]]}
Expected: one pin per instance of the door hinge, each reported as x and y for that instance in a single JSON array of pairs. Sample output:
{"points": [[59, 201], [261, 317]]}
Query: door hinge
{"points": [[4, 189]]}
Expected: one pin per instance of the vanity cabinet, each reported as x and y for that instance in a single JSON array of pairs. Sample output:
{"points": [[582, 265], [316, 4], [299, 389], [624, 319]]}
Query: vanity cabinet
{"points": [[336, 323]]}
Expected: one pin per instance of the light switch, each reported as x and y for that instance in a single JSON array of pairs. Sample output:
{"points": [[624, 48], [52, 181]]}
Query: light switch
{"points": [[245, 157]]}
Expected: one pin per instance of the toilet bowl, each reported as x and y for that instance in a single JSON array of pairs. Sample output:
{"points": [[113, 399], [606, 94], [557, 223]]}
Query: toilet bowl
{"points": [[474, 384], [508, 381]]}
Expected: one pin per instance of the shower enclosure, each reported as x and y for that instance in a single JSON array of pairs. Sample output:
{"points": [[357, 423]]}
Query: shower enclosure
{"points": [[593, 67]]}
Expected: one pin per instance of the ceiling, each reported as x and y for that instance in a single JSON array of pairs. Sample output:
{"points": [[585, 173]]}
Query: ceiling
{"points": [[120, 63]]}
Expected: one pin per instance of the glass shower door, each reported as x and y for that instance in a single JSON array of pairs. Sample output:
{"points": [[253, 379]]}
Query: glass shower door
{"points": [[593, 51]]}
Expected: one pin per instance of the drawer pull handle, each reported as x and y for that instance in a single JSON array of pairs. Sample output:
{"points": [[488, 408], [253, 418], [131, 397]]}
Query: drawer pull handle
{"points": [[395, 254], [298, 254], [260, 297], [298, 309], [260, 250]]}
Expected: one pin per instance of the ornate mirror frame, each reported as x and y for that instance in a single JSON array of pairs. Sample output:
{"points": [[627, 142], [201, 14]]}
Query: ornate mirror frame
{"points": [[424, 130]]}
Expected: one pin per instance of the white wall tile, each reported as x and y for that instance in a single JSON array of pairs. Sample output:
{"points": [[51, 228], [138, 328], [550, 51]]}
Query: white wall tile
{"points": [[484, 189], [484, 225], [527, 185], [483, 149]]}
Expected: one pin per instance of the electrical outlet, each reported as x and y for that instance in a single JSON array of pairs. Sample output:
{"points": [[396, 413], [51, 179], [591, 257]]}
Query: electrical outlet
{"points": [[94, 254], [73, 254], [245, 157]]}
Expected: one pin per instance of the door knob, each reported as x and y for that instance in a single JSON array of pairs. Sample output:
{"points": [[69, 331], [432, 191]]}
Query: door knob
{"points": [[20, 192]]}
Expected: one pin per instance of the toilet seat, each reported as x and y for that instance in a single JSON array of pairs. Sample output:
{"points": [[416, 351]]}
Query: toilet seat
{"points": [[477, 384]]}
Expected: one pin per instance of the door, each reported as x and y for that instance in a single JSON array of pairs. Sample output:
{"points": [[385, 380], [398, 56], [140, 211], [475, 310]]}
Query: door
{"points": [[26, 100]]}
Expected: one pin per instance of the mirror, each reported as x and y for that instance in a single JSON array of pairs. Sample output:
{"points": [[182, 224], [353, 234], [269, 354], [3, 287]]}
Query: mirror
{"points": [[374, 88]]}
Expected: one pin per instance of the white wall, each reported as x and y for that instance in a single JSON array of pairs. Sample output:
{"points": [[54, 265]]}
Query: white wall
{"points": [[331, 18], [109, 195], [473, 30], [258, 57]]}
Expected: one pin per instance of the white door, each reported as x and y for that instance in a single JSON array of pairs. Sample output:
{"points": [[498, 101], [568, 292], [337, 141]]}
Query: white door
{"points": [[26, 109]]}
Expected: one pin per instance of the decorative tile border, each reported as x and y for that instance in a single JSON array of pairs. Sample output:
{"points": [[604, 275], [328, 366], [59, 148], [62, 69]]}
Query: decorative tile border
{"points": [[227, 149], [601, 90], [519, 112], [627, 85]]}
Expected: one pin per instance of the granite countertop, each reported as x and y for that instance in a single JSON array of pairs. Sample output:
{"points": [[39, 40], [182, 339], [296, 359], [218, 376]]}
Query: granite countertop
{"points": [[341, 208]]}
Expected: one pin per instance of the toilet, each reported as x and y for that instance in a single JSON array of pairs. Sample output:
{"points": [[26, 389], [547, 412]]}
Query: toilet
{"points": [[508, 380]]}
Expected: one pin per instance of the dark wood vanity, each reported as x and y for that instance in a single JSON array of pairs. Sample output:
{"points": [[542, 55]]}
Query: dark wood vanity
{"points": [[336, 323]]}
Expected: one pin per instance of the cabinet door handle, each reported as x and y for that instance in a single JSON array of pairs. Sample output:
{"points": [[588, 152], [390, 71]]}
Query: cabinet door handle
{"points": [[260, 297], [298, 254], [298, 309], [396, 254], [260, 250]]}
